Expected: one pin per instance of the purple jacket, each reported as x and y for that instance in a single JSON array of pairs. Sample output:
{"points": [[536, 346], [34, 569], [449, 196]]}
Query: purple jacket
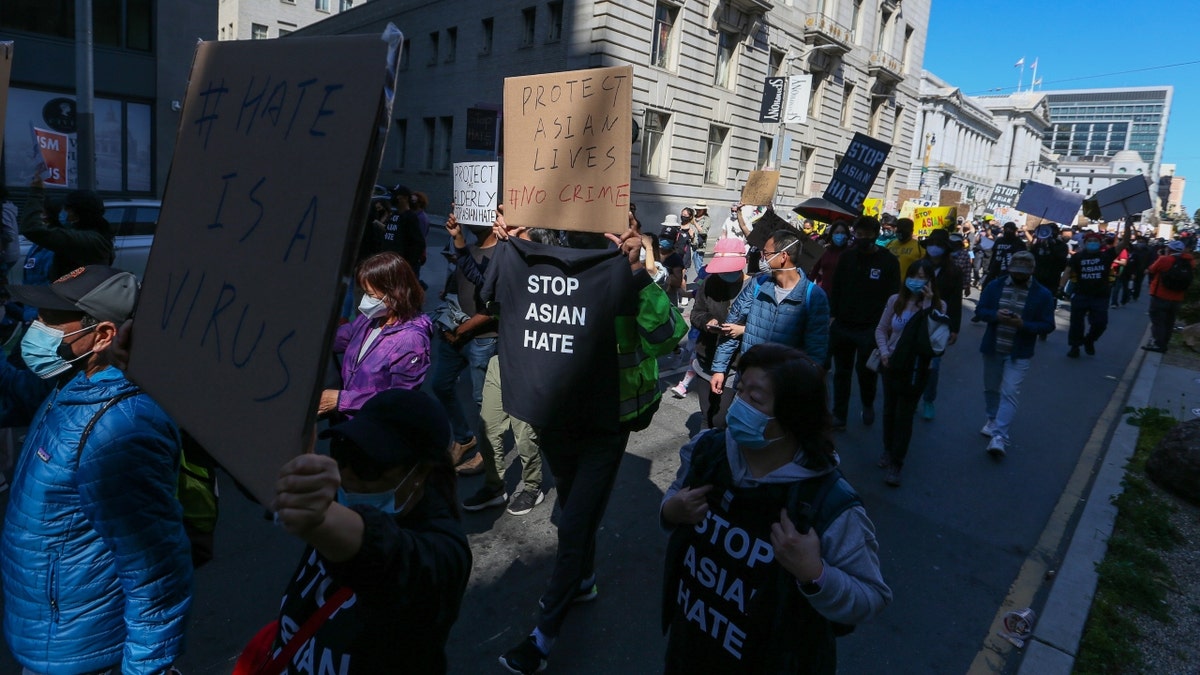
{"points": [[398, 359]]}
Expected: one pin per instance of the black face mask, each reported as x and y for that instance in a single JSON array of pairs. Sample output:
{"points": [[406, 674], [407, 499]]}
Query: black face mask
{"points": [[865, 244], [1019, 279]]}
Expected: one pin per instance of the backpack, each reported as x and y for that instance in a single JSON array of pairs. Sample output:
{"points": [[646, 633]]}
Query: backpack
{"points": [[1179, 276], [196, 489]]}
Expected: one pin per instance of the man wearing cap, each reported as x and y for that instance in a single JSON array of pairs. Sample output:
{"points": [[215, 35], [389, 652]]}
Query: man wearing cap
{"points": [[95, 562], [1165, 301], [1017, 309], [1008, 244], [1089, 269]]}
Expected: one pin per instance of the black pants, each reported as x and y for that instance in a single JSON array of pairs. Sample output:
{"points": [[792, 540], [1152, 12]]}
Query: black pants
{"points": [[585, 470], [900, 397], [1162, 320], [1093, 308], [850, 348]]}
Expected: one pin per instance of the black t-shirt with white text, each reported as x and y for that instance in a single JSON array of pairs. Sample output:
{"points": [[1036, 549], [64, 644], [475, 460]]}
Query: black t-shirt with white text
{"points": [[1091, 271]]}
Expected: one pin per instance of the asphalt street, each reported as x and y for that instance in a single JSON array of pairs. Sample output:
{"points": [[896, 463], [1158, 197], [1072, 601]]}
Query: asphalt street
{"points": [[952, 538]]}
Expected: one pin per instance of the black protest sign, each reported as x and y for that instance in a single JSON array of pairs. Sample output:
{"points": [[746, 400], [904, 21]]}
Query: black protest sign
{"points": [[852, 181], [1129, 197], [279, 142], [772, 100], [1002, 196], [1049, 203], [482, 127]]}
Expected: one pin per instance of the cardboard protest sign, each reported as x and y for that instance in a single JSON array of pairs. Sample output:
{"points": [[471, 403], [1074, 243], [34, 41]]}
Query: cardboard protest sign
{"points": [[852, 181], [907, 195], [929, 218], [1002, 195], [771, 109], [1049, 203], [475, 192], [1124, 199], [6, 57], [760, 187], [949, 197], [568, 138], [278, 145], [55, 162]]}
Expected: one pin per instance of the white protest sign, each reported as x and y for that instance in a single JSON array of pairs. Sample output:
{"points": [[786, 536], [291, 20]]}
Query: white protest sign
{"points": [[475, 190]]}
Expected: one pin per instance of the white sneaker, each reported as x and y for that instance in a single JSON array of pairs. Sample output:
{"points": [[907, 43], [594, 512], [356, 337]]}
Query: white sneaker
{"points": [[996, 448], [679, 391], [988, 429]]}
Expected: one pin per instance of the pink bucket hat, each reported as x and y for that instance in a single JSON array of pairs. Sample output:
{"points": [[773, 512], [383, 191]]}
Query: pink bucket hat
{"points": [[730, 256]]}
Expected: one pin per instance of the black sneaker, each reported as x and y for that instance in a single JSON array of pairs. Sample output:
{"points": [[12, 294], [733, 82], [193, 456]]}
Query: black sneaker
{"points": [[1090, 347], [1074, 353], [525, 658], [524, 501], [485, 499], [838, 424]]}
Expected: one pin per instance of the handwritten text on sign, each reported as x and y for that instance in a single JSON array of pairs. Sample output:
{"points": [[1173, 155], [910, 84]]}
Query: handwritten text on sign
{"points": [[568, 137], [475, 192], [856, 174], [242, 281]]}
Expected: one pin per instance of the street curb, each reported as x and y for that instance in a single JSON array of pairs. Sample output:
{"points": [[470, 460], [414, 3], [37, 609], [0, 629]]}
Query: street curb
{"points": [[1055, 643]]}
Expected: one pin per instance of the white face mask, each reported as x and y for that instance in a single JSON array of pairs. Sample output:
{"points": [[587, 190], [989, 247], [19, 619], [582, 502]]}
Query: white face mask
{"points": [[372, 308]]}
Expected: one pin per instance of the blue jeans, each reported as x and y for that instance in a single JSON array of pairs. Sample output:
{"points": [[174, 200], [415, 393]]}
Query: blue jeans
{"points": [[449, 363], [931, 384], [1095, 309], [1002, 378]]}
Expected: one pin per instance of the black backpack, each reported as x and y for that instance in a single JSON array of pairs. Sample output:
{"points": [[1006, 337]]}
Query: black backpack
{"points": [[1180, 275]]}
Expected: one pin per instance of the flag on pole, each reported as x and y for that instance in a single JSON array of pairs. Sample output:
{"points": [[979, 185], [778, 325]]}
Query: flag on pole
{"points": [[1020, 63], [1034, 66], [1037, 82]]}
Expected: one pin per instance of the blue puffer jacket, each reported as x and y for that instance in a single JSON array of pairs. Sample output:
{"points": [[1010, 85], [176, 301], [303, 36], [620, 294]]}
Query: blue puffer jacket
{"points": [[801, 320], [96, 565]]}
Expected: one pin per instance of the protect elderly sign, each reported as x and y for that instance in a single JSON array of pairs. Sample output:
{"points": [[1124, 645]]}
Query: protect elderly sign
{"points": [[475, 192], [262, 213], [568, 139], [852, 181]]}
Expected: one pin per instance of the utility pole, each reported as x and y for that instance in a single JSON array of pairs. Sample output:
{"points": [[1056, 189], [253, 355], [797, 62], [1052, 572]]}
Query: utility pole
{"points": [[85, 117]]}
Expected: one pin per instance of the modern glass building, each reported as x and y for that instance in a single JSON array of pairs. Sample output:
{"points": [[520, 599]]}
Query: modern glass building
{"points": [[1103, 122]]}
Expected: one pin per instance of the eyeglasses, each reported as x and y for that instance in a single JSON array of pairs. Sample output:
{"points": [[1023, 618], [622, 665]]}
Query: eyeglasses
{"points": [[347, 454]]}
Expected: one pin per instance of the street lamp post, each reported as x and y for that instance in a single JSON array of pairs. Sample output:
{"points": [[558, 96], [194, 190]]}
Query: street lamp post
{"points": [[85, 118]]}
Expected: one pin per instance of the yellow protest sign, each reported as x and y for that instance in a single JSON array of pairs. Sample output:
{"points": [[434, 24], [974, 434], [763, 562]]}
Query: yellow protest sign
{"points": [[872, 207], [930, 218]]}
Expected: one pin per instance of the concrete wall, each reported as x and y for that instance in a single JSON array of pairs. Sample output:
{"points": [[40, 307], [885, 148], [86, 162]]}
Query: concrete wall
{"points": [[236, 18]]}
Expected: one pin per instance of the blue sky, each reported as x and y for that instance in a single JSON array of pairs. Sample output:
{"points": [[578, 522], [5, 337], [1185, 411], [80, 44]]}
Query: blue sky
{"points": [[973, 45]]}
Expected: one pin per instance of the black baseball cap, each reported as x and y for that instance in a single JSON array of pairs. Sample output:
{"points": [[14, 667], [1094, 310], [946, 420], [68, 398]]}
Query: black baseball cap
{"points": [[100, 291], [398, 427]]}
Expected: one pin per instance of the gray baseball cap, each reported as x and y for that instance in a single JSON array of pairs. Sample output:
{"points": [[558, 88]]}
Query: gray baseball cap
{"points": [[100, 291]]}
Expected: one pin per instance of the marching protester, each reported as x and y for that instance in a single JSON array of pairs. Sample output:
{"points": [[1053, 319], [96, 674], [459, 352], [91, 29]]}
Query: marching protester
{"points": [[982, 244], [906, 249], [1050, 256], [1002, 252], [1016, 309], [866, 277], [810, 567], [825, 268], [1170, 278], [1088, 272], [402, 233], [950, 281], [95, 563], [671, 261], [80, 237], [780, 306], [630, 323], [1141, 259], [962, 258], [388, 345], [904, 370], [689, 239], [386, 565]]}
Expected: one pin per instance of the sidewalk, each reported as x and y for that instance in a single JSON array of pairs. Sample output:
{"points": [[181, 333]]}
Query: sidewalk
{"points": [[1059, 629]]}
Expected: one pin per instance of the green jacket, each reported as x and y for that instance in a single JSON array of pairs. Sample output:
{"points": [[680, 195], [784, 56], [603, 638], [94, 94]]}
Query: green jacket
{"points": [[654, 331]]}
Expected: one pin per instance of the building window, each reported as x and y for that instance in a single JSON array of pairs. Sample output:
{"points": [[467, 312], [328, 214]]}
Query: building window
{"points": [[446, 129], [430, 129], [654, 144], [664, 35], [848, 106], [258, 31], [401, 137], [885, 30], [765, 145], [451, 44], [878, 103], [726, 52], [434, 47], [908, 39], [284, 31], [344, 5], [889, 184], [405, 53], [856, 21], [804, 172], [556, 21], [529, 21], [714, 159], [775, 64], [898, 126], [322, 5], [489, 35], [815, 94]]}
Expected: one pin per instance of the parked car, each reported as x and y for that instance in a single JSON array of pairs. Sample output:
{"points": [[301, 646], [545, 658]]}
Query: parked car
{"points": [[133, 221]]}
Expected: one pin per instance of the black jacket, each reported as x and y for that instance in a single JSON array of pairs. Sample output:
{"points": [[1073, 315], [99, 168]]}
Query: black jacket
{"points": [[862, 285], [949, 288]]}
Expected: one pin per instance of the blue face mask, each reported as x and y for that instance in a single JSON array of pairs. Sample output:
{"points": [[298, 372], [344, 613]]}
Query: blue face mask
{"points": [[915, 285], [839, 239], [665, 244], [40, 350], [730, 277], [1092, 246], [62, 217], [935, 251], [384, 501], [748, 425]]}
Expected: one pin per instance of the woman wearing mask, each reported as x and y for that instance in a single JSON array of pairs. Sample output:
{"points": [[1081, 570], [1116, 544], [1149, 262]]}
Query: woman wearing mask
{"points": [[904, 372], [388, 345], [805, 574], [725, 275], [80, 237], [386, 553], [948, 282], [823, 271]]}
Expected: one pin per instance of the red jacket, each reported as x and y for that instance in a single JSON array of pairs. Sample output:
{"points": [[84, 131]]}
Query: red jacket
{"points": [[1158, 268]]}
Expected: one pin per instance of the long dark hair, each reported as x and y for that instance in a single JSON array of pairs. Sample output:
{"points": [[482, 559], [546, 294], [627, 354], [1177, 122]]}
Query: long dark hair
{"points": [[389, 274], [800, 397], [905, 295]]}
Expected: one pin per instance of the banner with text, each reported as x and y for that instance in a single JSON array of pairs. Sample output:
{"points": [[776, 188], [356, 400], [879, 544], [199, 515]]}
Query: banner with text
{"points": [[771, 109], [852, 181], [568, 138], [799, 89], [54, 149], [926, 219], [475, 189], [482, 130], [278, 146], [1002, 195]]}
